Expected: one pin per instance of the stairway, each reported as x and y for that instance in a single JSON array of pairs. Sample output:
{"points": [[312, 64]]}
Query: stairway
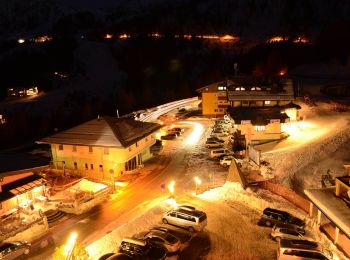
{"points": [[53, 216]]}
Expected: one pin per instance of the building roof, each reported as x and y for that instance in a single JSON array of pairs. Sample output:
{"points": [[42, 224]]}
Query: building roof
{"points": [[104, 131], [21, 186], [13, 163], [331, 206], [257, 116]]}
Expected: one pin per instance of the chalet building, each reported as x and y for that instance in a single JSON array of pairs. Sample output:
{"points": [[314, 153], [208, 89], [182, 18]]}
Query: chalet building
{"points": [[331, 207], [21, 186], [244, 92], [103, 148], [258, 125]]}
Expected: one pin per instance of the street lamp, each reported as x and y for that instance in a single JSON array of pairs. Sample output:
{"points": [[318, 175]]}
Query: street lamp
{"points": [[69, 247], [198, 182], [171, 188]]}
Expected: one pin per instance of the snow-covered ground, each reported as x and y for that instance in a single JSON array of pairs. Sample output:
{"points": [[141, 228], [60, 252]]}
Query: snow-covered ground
{"points": [[317, 145]]}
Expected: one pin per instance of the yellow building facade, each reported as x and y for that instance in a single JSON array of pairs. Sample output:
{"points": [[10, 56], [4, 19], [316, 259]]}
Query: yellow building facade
{"points": [[244, 92], [103, 148]]}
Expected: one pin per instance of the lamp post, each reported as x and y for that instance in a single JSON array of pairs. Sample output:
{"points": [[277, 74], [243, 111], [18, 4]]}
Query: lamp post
{"points": [[111, 172], [69, 247], [171, 188], [198, 182]]}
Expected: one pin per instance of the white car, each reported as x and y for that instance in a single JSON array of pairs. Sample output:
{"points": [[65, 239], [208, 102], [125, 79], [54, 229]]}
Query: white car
{"points": [[279, 233], [226, 161]]}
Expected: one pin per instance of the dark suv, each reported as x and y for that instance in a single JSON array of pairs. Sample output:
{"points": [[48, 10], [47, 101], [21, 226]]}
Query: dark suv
{"points": [[273, 217], [141, 249]]}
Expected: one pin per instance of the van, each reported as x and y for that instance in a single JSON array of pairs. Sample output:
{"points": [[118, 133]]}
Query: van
{"points": [[219, 152], [191, 219], [301, 249]]}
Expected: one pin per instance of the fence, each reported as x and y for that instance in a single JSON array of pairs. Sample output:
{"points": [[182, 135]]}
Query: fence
{"points": [[288, 194]]}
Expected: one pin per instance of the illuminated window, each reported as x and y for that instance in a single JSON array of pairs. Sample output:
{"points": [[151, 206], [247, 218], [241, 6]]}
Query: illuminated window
{"points": [[90, 149], [240, 89], [60, 147], [267, 102], [86, 166], [221, 88], [255, 88], [91, 166], [106, 150], [74, 148], [260, 128]]}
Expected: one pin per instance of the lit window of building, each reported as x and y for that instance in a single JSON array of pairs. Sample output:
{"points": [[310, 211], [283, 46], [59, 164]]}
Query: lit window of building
{"points": [[260, 128], [240, 89], [221, 88], [255, 88], [267, 102]]}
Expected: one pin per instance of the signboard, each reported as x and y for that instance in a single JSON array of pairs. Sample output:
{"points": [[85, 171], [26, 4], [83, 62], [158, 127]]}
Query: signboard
{"points": [[254, 154]]}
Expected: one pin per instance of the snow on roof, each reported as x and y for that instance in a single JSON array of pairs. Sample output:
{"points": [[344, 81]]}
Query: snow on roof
{"points": [[86, 185], [331, 206], [104, 131]]}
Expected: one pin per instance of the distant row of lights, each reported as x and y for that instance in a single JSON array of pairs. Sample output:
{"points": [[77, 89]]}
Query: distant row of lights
{"points": [[39, 39], [225, 38], [299, 39]]}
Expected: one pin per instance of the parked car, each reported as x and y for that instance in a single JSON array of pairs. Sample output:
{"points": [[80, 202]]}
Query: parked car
{"points": [[193, 220], [219, 131], [219, 122], [142, 249], [226, 160], [177, 129], [272, 217], [171, 136], [13, 250], [164, 238], [278, 233], [301, 249], [218, 135], [216, 139], [218, 152], [291, 226], [213, 144]]}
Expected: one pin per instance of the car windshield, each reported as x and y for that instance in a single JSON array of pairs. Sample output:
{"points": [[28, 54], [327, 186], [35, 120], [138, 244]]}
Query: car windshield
{"points": [[171, 239], [202, 218]]}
